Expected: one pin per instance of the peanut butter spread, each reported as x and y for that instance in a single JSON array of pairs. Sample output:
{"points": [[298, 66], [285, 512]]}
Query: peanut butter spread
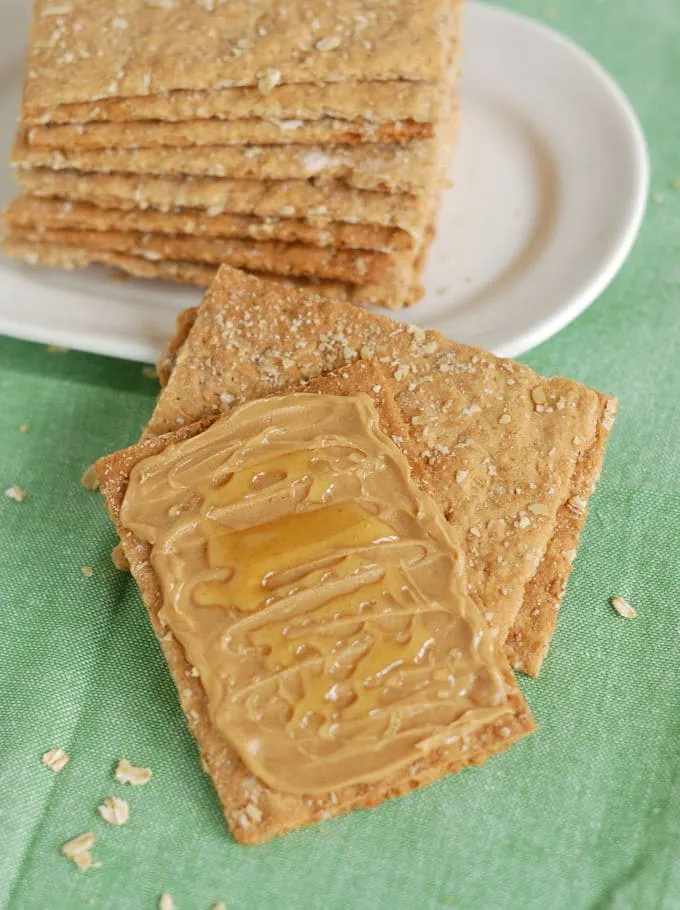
{"points": [[315, 589]]}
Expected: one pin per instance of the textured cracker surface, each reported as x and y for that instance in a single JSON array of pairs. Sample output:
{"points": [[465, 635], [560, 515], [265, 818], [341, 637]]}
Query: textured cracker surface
{"points": [[376, 102], [391, 294], [250, 131], [277, 258], [33, 211], [504, 468], [253, 810], [90, 49], [416, 168], [331, 201]]}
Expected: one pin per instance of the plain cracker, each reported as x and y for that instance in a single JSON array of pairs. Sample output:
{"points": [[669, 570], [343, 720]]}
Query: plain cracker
{"points": [[29, 211], [84, 50], [391, 296], [253, 131], [416, 168], [277, 258], [376, 102], [331, 201]]}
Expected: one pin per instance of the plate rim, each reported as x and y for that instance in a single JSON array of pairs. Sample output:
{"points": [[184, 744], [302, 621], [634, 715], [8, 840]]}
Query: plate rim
{"points": [[545, 329]]}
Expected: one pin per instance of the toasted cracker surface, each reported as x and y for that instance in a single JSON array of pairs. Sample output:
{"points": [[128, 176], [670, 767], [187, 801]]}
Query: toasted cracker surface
{"points": [[528, 642], [331, 201], [32, 211], [69, 258], [391, 294], [416, 168], [276, 258], [90, 49], [197, 132], [376, 102], [507, 450], [254, 811]]}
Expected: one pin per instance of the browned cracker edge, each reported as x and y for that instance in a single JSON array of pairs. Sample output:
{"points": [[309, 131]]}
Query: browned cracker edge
{"points": [[529, 639]]}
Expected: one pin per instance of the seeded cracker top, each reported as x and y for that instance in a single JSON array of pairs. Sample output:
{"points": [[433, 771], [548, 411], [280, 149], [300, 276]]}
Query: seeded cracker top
{"points": [[84, 50]]}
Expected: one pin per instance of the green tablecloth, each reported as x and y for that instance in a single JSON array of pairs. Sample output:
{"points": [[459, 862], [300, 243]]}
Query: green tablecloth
{"points": [[585, 814]]}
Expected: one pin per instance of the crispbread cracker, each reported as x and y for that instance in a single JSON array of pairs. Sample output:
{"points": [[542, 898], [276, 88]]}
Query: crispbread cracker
{"points": [[391, 295], [64, 257], [529, 639], [29, 211], [376, 102], [332, 201], [85, 50], [254, 811], [416, 168], [252, 131], [354, 266], [509, 450]]}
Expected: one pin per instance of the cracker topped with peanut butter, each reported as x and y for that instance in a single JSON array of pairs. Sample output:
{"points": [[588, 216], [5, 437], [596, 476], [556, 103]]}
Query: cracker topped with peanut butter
{"points": [[312, 604]]}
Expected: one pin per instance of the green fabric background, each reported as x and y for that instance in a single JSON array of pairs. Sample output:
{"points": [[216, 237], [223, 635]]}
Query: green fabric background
{"points": [[585, 814]]}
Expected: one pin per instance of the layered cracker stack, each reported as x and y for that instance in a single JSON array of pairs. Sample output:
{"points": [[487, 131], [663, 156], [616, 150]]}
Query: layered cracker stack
{"points": [[307, 142]]}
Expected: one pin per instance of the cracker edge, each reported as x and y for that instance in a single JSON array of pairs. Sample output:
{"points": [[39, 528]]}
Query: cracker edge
{"points": [[530, 636]]}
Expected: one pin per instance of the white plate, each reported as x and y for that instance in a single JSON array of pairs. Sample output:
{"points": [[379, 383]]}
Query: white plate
{"points": [[550, 183]]}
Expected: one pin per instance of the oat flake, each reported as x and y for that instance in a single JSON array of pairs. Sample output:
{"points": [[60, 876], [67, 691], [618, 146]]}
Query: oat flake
{"points": [[126, 773], [328, 43], [623, 608], [90, 480], [268, 81], [78, 850], [115, 811], [55, 759]]}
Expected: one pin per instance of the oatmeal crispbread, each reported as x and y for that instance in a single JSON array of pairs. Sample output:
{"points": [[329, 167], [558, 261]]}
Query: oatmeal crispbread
{"points": [[512, 456], [390, 294], [373, 102], [206, 107], [261, 805], [331, 201], [91, 49], [198, 132], [416, 168], [274, 257], [33, 211]]}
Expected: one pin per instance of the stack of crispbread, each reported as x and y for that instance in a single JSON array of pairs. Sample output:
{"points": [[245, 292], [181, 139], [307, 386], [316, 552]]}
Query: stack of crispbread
{"points": [[304, 141]]}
